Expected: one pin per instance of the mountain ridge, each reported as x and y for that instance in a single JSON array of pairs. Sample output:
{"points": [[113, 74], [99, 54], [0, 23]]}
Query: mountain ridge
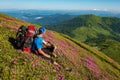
{"points": [[93, 30]]}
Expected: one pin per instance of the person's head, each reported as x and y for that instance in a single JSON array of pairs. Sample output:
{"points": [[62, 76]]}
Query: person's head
{"points": [[42, 30]]}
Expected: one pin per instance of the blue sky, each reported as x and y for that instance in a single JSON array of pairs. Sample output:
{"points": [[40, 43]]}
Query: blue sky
{"points": [[61, 4]]}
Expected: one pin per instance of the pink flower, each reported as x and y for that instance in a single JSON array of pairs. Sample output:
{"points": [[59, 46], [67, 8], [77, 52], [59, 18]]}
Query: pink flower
{"points": [[90, 64], [56, 67], [60, 77], [104, 77]]}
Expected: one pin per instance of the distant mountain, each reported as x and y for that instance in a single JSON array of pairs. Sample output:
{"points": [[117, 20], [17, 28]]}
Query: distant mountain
{"points": [[40, 17], [50, 17], [102, 33], [85, 62]]}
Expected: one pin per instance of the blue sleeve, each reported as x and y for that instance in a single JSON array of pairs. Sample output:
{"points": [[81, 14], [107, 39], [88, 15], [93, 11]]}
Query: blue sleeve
{"points": [[38, 43]]}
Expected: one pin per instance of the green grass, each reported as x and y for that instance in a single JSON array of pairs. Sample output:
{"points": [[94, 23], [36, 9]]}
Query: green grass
{"points": [[83, 33]]}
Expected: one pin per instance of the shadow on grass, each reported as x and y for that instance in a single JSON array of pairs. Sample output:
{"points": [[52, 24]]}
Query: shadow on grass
{"points": [[13, 42]]}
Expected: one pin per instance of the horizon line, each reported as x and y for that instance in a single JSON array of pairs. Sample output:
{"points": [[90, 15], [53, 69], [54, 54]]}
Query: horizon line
{"points": [[115, 11]]}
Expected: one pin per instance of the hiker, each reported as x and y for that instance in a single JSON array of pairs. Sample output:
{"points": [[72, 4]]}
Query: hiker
{"points": [[37, 46]]}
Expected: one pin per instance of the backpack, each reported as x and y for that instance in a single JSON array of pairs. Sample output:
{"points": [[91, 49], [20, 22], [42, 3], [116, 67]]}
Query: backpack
{"points": [[20, 36], [28, 39]]}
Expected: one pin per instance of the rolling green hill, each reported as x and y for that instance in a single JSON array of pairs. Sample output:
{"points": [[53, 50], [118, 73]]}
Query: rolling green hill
{"points": [[95, 31], [86, 62]]}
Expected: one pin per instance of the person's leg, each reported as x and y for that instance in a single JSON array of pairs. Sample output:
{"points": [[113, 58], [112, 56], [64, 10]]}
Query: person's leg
{"points": [[50, 50], [46, 50]]}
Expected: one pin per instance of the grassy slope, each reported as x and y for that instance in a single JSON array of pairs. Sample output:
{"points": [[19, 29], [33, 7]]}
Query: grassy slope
{"points": [[86, 62], [93, 30]]}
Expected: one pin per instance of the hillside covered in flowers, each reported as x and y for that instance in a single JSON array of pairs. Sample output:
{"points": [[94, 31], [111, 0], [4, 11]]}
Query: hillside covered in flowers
{"points": [[86, 62]]}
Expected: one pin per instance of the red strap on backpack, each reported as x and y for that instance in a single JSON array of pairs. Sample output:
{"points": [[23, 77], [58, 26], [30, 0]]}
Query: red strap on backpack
{"points": [[26, 49]]}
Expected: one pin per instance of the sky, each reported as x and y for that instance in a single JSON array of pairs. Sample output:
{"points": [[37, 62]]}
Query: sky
{"points": [[113, 5]]}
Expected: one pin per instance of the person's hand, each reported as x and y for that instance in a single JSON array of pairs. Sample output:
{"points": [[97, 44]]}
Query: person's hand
{"points": [[55, 63], [48, 43], [48, 56]]}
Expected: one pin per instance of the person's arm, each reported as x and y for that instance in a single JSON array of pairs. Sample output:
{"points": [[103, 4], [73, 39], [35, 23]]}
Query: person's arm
{"points": [[47, 43], [43, 53]]}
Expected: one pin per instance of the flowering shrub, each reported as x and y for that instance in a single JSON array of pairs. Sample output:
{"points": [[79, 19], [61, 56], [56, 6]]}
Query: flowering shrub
{"points": [[90, 64]]}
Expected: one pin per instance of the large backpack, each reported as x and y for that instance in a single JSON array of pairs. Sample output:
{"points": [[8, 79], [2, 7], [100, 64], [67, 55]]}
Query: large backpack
{"points": [[28, 39], [20, 36]]}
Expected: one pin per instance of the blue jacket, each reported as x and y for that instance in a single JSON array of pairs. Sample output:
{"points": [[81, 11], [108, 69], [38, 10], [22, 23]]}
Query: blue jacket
{"points": [[37, 43]]}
